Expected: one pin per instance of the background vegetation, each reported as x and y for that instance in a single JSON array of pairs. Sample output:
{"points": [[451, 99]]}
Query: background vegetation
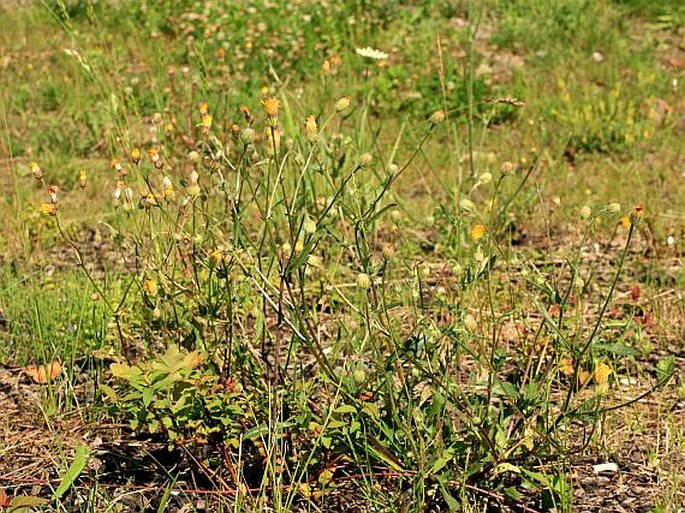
{"points": [[389, 256]]}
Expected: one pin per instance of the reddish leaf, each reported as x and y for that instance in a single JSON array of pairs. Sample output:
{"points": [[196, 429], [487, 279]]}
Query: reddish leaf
{"points": [[4, 499], [44, 373]]}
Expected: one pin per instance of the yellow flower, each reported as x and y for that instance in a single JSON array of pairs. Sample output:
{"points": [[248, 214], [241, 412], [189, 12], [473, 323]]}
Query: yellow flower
{"points": [[36, 171], [206, 123], [82, 179], [602, 373], [311, 128], [271, 106], [135, 156], [49, 209], [625, 222], [147, 200], [150, 288], [477, 232], [215, 257], [168, 188], [299, 246], [204, 108]]}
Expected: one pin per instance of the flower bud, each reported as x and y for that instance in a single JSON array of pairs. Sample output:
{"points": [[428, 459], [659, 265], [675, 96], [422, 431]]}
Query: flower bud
{"points": [[363, 281], [247, 136], [507, 168], [613, 208], [438, 117], [470, 323], [585, 212], [393, 168], [365, 159], [343, 103], [194, 157], [468, 205]]}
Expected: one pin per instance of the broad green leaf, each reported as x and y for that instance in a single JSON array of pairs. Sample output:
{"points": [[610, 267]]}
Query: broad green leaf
{"points": [[26, 501], [125, 371], [74, 470], [620, 349], [345, 408], [109, 393], [452, 503]]}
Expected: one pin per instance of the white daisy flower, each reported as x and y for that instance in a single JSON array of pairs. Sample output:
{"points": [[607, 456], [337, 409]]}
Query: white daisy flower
{"points": [[372, 53]]}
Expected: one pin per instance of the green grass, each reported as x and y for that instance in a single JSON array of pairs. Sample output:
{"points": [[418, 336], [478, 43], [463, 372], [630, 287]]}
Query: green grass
{"points": [[415, 300]]}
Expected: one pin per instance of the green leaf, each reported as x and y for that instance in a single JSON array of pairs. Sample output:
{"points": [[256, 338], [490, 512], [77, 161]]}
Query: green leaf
{"points": [[256, 432], [109, 393], [620, 349], [148, 395], [452, 503], [345, 408], [513, 494], [665, 368], [125, 371], [441, 462], [74, 470], [26, 501]]}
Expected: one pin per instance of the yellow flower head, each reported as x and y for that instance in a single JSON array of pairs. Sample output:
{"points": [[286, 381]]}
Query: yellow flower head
{"points": [[167, 188], [215, 257], [204, 108], [477, 232], [206, 123], [311, 128], [49, 209], [36, 171], [147, 200], [271, 106], [135, 156], [602, 373], [82, 179], [150, 288]]}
